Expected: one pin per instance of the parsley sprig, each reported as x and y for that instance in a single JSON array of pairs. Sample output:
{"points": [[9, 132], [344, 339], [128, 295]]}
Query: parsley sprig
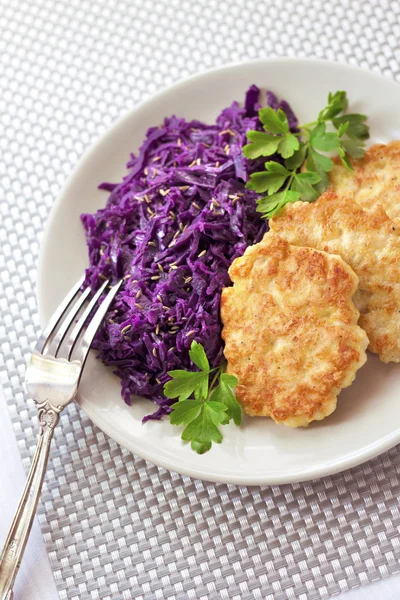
{"points": [[202, 406], [303, 174]]}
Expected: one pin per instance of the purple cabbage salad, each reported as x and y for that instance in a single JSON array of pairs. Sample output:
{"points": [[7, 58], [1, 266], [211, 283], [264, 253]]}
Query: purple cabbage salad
{"points": [[171, 228]]}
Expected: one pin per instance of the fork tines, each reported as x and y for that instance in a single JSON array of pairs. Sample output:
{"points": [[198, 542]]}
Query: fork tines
{"points": [[70, 332]]}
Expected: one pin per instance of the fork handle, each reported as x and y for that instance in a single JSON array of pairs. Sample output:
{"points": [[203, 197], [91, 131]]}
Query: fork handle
{"points": [[17, 538]]}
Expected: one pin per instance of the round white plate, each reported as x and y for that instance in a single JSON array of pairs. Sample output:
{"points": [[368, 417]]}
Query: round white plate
{"points": [[367, 420]]}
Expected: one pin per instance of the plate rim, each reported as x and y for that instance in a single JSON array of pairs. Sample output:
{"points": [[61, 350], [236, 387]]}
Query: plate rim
{"points": [[300, 475]]}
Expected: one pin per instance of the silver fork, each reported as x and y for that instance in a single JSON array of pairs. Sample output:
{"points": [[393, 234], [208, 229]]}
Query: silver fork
{"points": [[52, 379]]}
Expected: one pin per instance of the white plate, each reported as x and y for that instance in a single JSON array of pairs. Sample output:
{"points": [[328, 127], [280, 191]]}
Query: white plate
{"points": [[367, 419]]}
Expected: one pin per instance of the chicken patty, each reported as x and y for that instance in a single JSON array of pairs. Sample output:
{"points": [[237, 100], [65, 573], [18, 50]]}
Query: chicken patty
{"points": [[290, 331], [370, 243], [375, 179]]}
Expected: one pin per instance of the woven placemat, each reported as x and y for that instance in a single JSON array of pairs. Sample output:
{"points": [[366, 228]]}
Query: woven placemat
{"points": [[116, 526]]}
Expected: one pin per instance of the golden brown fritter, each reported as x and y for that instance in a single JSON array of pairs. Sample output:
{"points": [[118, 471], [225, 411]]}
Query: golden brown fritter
{"points": [[370, 243], [290, 331], [375, 179]]}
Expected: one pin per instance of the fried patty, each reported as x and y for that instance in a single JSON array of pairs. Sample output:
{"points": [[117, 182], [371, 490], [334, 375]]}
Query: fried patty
{"points": [[374, 181], [290, 331], [370, 243]]}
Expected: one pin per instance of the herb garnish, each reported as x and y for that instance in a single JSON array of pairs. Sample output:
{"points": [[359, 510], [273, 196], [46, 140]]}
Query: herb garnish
{"points": [[202, 406], [286, 183]]}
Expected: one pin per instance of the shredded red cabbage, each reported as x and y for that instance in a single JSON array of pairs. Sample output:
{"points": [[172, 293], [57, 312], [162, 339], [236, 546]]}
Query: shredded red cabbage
{"points": [[171, 228]]}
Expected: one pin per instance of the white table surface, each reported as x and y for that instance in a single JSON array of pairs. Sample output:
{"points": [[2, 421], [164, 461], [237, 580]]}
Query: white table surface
{"points": [[35, 579]]}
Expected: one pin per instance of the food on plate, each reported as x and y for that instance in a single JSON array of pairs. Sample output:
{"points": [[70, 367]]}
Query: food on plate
{"points": [[301, 171], [194, 198], [374, 180], [290, 330], [370, 243], [205, 400], [171, 228]]}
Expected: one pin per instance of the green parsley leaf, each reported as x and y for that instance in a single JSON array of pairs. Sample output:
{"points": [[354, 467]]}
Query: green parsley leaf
{"points": [[303, 183], [288, 145], [337, 103], [275, 167], [270, 205], [308, 177], [184, 383], [353, 148], [224, 394], [320, 140], [204, 428], [343, 127], [229, 379], [185, 411], [285, 184], [201, 390], [198, 356], [319, 164], [323, 161], [295, 161], [201, 447], [356, 127], [203, 414], [345, 159], [271, 179], [263, 144], [274, 121]]}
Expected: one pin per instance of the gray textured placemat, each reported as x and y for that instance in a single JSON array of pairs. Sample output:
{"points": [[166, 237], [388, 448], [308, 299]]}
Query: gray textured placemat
{"points": [[116, 526]]}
